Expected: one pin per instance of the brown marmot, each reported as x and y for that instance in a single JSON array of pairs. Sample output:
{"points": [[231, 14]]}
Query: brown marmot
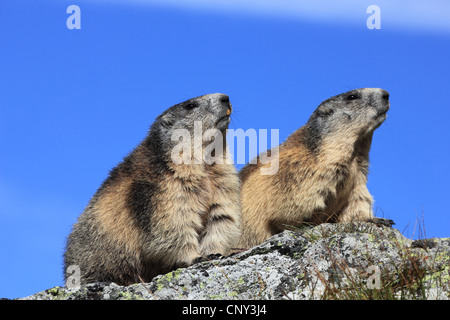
{"points": [[322, 170], [152, 215]]}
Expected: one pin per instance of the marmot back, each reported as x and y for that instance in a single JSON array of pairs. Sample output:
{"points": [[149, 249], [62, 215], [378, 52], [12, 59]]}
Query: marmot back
{"points": [[152, 215], [322, 173]]}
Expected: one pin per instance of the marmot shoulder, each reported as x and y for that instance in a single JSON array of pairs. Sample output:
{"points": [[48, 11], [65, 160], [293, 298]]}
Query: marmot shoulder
{"points": [[323, 169], [153, 214]]}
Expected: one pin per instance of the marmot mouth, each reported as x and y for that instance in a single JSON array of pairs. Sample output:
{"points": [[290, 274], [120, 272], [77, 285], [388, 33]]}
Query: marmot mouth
{"points": [[227, 117], [380, 118], [223, 119], [382, 113]]}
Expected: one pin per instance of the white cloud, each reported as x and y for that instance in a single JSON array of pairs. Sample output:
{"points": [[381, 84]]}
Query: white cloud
{"points": [[408, 15]]}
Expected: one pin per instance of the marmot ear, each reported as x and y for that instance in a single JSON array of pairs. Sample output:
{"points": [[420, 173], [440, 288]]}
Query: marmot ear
{"points": [[324, 111]]}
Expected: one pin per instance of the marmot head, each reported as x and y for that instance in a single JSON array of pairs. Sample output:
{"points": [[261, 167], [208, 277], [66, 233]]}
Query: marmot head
{"points": [[193, 125], [212, 110], [355, 113]]}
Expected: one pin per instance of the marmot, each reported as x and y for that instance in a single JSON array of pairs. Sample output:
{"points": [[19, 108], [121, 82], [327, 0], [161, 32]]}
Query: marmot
{"points": [[152, 215], [322, 173]]}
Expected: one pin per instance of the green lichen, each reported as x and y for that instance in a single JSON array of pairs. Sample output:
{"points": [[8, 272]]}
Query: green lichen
{"points": [[441, 276], [129, 296], [167, 278], [443, 257], [54, 291], [177, 273], [58, 293], [232, 294], [438, 278], [162, 282], [371, 238]]}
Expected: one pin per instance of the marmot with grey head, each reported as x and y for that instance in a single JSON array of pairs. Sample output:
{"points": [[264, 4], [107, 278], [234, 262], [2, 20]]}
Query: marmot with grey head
{"points": [[152, 215], [322, 170]]}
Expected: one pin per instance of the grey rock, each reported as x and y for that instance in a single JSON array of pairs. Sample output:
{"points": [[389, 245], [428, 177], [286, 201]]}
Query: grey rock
{"points": [[329, 261]]}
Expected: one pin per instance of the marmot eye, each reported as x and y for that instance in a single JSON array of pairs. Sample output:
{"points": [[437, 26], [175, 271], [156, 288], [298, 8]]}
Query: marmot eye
{"points": [[352, 97], [191, 105]]}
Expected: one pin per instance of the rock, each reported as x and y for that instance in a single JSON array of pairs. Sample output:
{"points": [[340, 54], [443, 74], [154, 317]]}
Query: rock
{"points": [[329, 261]]}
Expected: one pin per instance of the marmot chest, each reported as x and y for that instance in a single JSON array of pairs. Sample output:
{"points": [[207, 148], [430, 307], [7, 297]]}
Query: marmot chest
{"points": [[194, 193], [346, 180]]}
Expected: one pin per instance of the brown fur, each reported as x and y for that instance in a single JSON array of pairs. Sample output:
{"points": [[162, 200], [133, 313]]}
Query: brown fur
{"points": [[322, 173], [152, 215]]}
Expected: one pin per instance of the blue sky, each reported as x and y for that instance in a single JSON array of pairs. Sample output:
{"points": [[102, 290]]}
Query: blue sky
{"points": [[75, 102]]}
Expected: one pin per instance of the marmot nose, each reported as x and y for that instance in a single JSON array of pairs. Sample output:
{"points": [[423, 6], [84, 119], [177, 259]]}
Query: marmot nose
{"points": [[384, 95], [224, 99]]}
